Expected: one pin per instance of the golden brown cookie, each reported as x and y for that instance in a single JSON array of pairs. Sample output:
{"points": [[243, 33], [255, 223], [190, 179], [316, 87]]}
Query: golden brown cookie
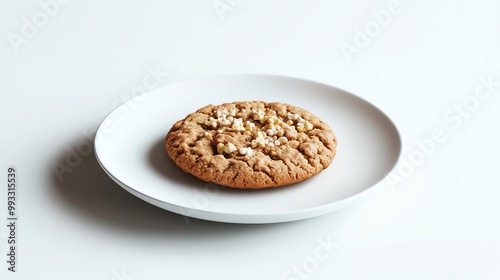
{"points": [[251, 145]]}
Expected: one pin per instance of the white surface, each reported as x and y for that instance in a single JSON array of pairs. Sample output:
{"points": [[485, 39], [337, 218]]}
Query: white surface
{"points": [[368, 151], [440, 223]]}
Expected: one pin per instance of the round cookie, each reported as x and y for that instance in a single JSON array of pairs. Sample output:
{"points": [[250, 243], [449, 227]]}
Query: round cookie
{"points": [[251, 145]]}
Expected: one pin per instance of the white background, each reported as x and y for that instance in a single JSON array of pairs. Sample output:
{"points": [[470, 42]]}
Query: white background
{"points": [[61, 79]]}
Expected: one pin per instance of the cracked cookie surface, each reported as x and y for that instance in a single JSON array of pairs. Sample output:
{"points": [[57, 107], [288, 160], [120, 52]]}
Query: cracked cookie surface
{"points": [[251, 144]]}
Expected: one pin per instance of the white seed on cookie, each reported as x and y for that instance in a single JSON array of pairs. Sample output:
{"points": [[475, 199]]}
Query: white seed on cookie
{"points": [[258, 142], [304, 126], [246, 151], [292, 116], [237, 125], [271, 132], [249, 126], [211, 122], [226, 148], [229, 148], [282, 140]]}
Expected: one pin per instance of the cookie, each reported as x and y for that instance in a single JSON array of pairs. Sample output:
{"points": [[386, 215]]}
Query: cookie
{"points": [[251, 145]]}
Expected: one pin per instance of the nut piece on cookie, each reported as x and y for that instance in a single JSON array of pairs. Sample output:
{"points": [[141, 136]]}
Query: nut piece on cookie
{"points": [[251, 144]]}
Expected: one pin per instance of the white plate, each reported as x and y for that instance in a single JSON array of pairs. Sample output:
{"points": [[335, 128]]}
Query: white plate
{"points": [[129, 147]]}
